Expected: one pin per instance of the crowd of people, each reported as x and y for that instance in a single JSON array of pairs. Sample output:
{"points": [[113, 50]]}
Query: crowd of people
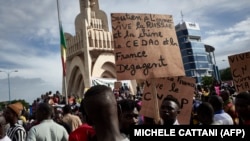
{"points": [[108, 115]]}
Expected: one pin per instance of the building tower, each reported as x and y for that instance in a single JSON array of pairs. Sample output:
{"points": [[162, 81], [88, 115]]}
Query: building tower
{"points": [[194, 56], [90, 50], [210, 50]]}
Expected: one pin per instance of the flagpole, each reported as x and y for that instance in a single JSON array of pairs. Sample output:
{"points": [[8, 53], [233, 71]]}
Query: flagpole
{"points": [[64, 74], [65, 89]]}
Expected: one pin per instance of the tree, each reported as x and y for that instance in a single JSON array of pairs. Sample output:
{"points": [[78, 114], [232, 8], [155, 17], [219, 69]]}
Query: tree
{"points": [[207, 80], [3, 104], [226, 74]]}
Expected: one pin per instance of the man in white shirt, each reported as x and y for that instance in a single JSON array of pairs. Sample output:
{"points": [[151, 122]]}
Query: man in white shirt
{"points": [[47, 129]]}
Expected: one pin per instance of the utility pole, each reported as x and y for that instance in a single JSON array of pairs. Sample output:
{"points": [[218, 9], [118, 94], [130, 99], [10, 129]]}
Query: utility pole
{"points": [[8, 74]]}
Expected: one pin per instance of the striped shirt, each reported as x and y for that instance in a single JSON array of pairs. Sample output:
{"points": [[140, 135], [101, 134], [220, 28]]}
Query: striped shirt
{"points": [[16, 133]]}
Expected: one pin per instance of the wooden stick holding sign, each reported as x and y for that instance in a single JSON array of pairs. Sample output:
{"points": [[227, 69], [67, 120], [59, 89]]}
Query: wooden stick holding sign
{"points": [[157, 117]]}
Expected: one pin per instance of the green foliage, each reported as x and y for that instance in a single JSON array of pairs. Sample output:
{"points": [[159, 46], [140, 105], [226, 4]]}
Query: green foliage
{"points": [[3, 104], [226, 74], [207, 80]]}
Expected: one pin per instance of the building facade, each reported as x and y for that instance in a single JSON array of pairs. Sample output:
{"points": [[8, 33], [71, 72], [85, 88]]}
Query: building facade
{"points": [[90, 52], [211, 57], [195, 58]]}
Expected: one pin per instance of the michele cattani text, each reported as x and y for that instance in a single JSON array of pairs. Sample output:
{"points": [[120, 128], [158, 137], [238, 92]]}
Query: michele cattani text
{"points": [[189, 132]]}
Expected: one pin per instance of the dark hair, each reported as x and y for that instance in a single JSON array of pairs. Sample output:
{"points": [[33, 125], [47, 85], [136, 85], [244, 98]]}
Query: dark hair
{"points": [[205, 108], [225, 91], [84, 114], [126, 105], [171, 98], [67, 109], [45, 110], [245, 96], [225, 94], [96, 90], [81, 108], [216, 101]]}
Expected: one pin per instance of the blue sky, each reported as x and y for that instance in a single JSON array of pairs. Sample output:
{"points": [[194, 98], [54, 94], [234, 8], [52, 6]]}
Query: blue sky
{"points": [[29, 35]]}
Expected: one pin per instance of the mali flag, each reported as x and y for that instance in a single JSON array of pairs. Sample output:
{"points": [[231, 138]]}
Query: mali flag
{"points": [[63, 49]]}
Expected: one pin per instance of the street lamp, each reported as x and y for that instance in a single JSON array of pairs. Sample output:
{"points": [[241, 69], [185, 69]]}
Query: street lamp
{"points": [[8, 74]]}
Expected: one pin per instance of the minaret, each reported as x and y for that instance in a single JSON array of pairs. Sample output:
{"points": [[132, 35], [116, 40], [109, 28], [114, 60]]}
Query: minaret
{"points": [[94, 4], [89, 49]]}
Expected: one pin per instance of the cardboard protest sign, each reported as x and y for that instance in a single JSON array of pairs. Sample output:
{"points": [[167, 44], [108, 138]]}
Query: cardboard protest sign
{"points": [[145, 46], [240, 70], [182, 88]]}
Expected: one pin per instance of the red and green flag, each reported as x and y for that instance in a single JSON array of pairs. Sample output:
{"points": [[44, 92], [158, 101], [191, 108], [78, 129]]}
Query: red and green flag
{"points": [[63, 49]]}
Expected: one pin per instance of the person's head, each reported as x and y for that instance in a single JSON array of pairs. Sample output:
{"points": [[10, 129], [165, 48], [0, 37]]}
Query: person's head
{"points": [[169, 110], [2, 127], [67, 109], [217, 102], [127, 113], [205, 113], [101, 106], [57, 116], [225, 95], [199, 88], [13, 112], [242, 105], [205, 89], [82, 110], [44, 111]]}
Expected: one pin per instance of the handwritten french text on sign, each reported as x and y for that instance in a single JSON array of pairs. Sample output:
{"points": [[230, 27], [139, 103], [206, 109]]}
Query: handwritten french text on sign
{"points": [[181, 88], [240, 69], [145, 46]]}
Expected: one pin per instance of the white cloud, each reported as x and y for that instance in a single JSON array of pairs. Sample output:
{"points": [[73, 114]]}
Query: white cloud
{"points": [[229, 41]]}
